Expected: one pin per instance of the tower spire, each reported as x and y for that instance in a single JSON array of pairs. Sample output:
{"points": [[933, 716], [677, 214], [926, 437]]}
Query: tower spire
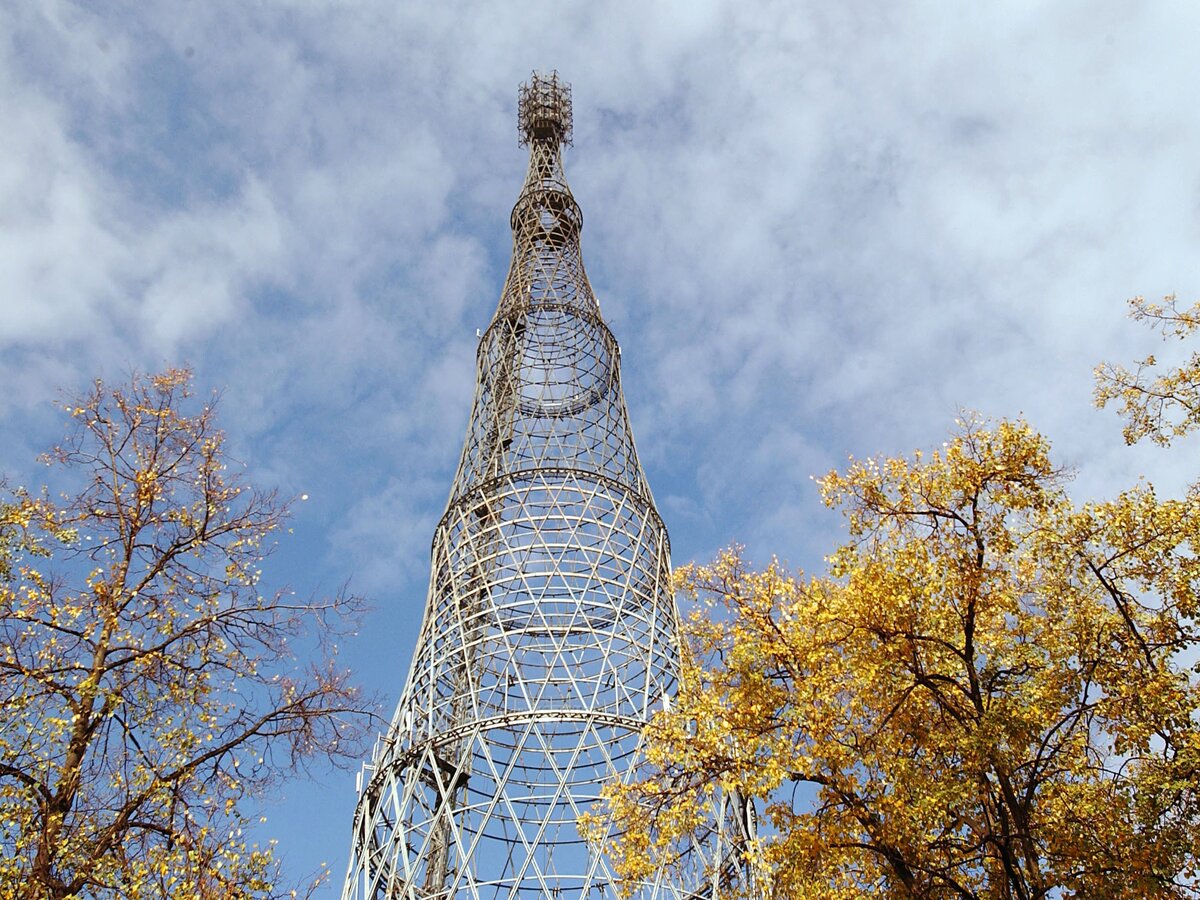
{"points": [[550, 634], [544, 110]]}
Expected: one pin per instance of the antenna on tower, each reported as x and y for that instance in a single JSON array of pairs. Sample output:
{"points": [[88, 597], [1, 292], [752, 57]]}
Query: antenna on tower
{"points": [[544, 110]]}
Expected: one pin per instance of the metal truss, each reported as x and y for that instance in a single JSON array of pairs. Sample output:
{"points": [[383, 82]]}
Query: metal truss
{"points": [[550, 633]]}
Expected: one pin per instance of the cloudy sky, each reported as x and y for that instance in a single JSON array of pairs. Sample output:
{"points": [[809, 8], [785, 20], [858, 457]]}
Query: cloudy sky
{"points": [[817, 229]]}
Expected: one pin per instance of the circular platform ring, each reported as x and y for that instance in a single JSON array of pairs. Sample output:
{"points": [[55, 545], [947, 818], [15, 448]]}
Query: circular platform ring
{"points": [[565, 369]]}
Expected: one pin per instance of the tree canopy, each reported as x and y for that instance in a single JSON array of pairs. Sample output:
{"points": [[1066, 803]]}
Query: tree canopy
{"points": [[992, 691], [1156, 403], [150, 690]]}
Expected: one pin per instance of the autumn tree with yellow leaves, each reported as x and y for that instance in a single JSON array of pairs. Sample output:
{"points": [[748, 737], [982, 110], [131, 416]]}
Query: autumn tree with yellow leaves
{"points": [[991, 693], [149, 688], [1157, 404]]}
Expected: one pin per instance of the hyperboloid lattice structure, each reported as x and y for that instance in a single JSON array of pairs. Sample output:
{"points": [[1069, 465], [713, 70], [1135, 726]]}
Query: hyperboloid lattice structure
{"points": [[550, 633]]}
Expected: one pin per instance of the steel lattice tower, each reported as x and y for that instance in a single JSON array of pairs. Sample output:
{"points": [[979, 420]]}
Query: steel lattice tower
{"points": [[550, 633]]}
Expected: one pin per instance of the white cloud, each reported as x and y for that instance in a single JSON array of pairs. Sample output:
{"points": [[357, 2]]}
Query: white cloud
{"points": [[58, 251]]}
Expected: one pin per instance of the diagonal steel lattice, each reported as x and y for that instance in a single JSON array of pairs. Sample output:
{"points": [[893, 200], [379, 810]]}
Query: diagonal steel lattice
{"points": [[550, 633]]}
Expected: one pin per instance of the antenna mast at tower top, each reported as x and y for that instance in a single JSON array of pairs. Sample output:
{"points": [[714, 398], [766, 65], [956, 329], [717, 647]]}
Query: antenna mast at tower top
{"points": [[544, 110]]}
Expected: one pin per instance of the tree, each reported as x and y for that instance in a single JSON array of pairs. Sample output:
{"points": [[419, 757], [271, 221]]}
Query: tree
{"points": [[1161, 407], [149, 687], [992, 692]]}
